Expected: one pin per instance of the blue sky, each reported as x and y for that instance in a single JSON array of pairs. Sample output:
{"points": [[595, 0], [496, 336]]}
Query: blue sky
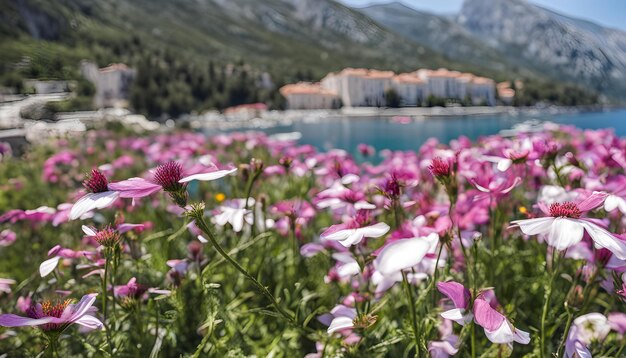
{"points": [[604, 12]]}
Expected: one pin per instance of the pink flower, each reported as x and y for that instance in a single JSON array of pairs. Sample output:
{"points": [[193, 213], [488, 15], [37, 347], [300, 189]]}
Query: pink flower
{"points": [[497, 327], [5, 285], [353, 232], [235, 213], [496, 187], [402, 255], [586, 329], [617, 321], [341, 318], [99, 195], [366, 150], [168, 177], [440, 168], [58, 253], [460, 297], [56, 317], [7, 237], [565, 227]]}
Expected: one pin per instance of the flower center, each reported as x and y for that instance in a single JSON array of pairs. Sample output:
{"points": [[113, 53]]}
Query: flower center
{"points": [[167, 175], [566, 209], [96, 182], [107, 237], [49, 309], [55, 309], [439, 167], [361, 219]]}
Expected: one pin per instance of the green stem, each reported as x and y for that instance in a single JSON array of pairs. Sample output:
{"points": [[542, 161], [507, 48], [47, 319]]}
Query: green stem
{"points": [[473, 340], [205, 228], [53, 347], [435, 274], [104, 289], [561, 351], [411, 301], [107, 260], [546, 304], [621, 349]]}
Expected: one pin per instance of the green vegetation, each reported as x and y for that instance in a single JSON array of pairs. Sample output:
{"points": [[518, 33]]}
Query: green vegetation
{"points": [[392, 99], [553, 93]]}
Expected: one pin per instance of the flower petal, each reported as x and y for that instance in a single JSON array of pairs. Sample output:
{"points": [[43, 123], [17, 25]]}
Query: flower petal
{"points": [[135, 188], [455, 291], [486, 316], [458, 315], [374, 231], [400, 255], [78, 310], [605, 239], [593, 201], [339, 323], [565, 233], [504, 164], [89, 322], [11, 320], [502, 334], [354, 238], [91, 202], [535, 226], [48, 266], [337, 232], [214, 175]]}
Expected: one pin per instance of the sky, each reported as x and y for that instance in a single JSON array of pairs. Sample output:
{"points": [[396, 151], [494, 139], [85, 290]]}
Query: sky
{"points": [[610, 13]]}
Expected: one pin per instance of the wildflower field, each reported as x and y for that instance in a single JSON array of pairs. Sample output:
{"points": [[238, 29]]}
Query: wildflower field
{"points": [[180, 245]]}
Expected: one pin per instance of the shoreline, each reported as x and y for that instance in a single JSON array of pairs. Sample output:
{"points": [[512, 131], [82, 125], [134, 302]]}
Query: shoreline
{"points": [[218, 121]]}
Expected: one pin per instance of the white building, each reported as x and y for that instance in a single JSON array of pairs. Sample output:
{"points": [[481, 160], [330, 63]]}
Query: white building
{"points": [[441, 83], [306, 95], [112, 83], [411, 89], [348, 85], [375, 85], [358, 87], [483, 91]]}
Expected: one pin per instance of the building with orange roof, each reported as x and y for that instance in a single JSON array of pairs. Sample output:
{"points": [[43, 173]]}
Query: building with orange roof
{"points": [[505, 93], [359, 87], [307, 95]]}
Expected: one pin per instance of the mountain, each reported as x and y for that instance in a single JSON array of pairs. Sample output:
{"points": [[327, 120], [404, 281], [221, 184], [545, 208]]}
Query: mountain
{"points": [[201, 54], [437, 32], [274, 35], [550, 43]]}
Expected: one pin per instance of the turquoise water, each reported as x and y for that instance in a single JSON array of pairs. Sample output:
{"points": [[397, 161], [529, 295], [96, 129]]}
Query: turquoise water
{"points": [[382, 133]]}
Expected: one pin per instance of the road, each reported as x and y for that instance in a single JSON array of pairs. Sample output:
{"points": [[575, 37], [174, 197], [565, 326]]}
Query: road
{"points": [[10, 111]]}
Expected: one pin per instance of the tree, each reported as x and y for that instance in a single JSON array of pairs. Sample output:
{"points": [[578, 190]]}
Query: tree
{"points": [[392, 99]]}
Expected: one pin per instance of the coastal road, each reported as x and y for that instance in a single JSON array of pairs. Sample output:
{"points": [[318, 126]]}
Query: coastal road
{"points": [[10, 111]]}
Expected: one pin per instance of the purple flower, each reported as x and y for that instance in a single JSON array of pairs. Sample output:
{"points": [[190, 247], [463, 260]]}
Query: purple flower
{"points": [[460, 297], [565, 227], [56, 316], [169, 177], [353, 232], [99, 195], [7, 237], [497, 327], [589, 328]]}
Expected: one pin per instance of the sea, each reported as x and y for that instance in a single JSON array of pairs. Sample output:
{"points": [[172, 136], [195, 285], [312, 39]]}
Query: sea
{"points": [[406, 133]]}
